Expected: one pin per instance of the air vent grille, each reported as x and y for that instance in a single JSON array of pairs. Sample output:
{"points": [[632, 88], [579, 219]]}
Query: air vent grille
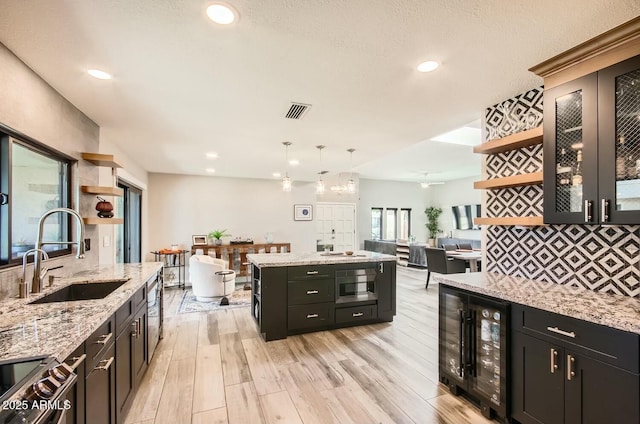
{"points": [[297, 111]]}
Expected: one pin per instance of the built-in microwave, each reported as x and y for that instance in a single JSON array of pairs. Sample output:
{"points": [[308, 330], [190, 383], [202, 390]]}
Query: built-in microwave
{"points": [[356, 285]]}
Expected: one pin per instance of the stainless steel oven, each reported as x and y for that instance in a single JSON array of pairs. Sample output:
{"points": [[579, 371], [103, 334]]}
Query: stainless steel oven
{"points": [[35, 389], [155, 312]]}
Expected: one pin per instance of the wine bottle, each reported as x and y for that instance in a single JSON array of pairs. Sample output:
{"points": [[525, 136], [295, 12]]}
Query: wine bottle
{"points": [[564, 169], [576, 178]]}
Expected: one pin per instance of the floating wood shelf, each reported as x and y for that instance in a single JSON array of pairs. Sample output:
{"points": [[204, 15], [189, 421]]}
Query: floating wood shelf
{"points": [[511, 142], [512, 181], [99, 221], [107, 191], [525, 221], [100, 159]]}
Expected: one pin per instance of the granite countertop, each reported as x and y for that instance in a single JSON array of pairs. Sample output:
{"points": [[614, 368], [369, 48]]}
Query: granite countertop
{"points": [[58, 328], [315, 258], [616, 311]]}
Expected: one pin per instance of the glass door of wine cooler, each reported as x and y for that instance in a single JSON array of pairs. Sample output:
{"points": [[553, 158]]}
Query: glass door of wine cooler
{"points": [[488, 346], [452, 336]]}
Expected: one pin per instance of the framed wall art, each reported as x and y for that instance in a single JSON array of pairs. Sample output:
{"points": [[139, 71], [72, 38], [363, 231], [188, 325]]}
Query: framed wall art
{"points": [[302, 212], [199, 240]]}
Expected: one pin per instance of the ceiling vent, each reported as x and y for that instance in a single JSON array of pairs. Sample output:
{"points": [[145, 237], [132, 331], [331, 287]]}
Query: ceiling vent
{"points": [[297, 111]]}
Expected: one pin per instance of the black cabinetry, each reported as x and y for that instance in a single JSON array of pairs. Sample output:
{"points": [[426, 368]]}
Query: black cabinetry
{"points": [[473, 335], [570, 371], [100, 376], [592, 148], [131, 350], [298, 299]]}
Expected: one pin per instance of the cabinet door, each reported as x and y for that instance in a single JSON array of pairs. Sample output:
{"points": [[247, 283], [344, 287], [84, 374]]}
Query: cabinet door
{"points": [[571, 152], [140, 345], [386, 290], [537, 381], [75, 415], [123, 367], [619, 141], [100, 390], [452, 346], [599, 393]]}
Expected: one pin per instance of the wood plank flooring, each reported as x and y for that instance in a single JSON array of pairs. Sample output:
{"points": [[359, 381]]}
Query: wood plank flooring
{"points": [[213, 368]]}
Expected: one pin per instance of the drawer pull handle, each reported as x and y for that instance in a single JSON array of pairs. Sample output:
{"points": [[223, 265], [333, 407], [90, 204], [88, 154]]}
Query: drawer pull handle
{"points": [[77, 360], [312, 315], [570, 373], [554, 358], [357, 314], [107, 363], [312, 291], [134, 331], [104, 339], [312, 272], [561, 332]]}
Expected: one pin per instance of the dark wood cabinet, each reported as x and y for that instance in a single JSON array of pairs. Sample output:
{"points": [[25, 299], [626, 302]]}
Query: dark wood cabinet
{"points": [[139, 360], [124, 368], [100, 389], [592, 148], [76, 415], [570, 371], [297, 299]]}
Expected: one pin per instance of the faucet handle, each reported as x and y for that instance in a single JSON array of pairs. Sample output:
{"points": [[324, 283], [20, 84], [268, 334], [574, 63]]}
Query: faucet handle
{"points": [[43, 272]]}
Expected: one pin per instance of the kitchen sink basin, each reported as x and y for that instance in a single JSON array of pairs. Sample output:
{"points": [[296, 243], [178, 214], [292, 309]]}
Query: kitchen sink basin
{"points": [[83, 291]]}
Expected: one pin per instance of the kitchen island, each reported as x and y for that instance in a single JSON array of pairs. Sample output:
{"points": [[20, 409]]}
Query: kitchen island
{"points": [[293, 293]]}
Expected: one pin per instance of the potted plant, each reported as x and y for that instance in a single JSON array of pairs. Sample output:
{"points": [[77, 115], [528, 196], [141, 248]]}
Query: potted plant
{"points": [[433, 227], [217, 235]]}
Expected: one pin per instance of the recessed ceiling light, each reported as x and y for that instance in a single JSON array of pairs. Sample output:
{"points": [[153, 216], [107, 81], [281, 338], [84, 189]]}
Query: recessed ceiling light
{"points": [[276, 175], [221, 13], [428, 66], [96, 73], [212, 155], [294, 162], [210, 170]]}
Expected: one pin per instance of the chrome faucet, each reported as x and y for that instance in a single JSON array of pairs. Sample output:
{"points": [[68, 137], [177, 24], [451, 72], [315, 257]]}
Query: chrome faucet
{"points": [[38, 274], [36, 252]]}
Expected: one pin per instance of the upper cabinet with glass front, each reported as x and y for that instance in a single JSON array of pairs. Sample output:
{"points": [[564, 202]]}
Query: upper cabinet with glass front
{"points": [[592, 148]]}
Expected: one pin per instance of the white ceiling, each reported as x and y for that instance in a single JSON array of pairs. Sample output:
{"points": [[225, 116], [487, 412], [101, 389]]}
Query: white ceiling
{"points": [[184, 86]]}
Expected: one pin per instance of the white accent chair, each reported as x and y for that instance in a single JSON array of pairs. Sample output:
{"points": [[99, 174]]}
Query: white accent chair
{"points": [[210, 277]]}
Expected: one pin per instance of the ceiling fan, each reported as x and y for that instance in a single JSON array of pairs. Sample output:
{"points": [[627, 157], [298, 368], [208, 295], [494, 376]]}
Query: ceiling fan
{"points": [[427, 184]]}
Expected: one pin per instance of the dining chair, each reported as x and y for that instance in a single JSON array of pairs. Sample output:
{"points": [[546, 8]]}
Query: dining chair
{"points": [[449, 247], [465, 246], [437, 261]]}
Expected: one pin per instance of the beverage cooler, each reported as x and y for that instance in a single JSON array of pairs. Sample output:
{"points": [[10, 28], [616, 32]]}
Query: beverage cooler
{"points": [[473, 348]]}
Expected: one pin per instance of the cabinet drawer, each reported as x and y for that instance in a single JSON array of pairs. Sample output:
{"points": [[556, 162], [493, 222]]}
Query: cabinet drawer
{"points": [[139, 297], [97, 342], [310, 272], [312, 291], [124, 315], [356, 313], [312, 315], [609, 345]]}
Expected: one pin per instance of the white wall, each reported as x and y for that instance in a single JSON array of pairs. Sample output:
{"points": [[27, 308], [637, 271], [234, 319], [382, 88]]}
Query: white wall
{"points": [[453, 193], [181, 206], [391, 194]]}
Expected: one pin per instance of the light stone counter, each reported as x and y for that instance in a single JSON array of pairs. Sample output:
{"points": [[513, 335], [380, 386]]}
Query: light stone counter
{"points": [[616, 311], [315, 258], [58, 328]]}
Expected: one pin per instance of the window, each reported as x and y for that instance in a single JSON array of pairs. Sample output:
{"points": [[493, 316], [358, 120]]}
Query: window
{"points": [[35, 180], [390, 224], [405, 224], [128, 235], [376, 223]]}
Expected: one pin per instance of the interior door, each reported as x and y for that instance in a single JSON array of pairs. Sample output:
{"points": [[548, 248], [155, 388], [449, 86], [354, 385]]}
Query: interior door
{"points": [[336, 225]]}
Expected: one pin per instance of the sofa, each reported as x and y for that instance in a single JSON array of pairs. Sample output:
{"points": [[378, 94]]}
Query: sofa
{"points": [[207, 280]]}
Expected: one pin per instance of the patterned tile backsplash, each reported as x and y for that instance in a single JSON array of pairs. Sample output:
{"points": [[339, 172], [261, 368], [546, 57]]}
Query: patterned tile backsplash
{"points": [[600, 258]]}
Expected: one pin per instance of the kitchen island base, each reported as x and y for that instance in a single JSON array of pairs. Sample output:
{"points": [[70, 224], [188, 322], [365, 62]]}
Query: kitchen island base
{"points": [[295, 299]]}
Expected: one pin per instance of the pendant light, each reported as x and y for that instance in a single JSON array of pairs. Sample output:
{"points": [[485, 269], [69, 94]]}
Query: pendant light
{"points": [[351, 185], [320, 183], [286, 181]]}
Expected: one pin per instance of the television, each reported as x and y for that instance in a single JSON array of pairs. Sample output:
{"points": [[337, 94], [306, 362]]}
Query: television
{"points": [[463, 216]]}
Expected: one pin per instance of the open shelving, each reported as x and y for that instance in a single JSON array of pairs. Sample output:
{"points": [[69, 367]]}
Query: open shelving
{"points": [[106, 191], [511, 142], [524, 221], [97, 221], [101, 159], [511, 181]]}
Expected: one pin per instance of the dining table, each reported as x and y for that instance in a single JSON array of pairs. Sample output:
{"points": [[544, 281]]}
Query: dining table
{"points": [[470, 256]]}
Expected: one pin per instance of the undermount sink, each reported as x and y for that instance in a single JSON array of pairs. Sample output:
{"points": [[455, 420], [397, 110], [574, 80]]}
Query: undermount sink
{"points": [[84, 291]]}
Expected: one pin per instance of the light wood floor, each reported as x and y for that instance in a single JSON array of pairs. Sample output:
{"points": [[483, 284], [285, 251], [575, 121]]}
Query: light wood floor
{"points": [[213, 368]]}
